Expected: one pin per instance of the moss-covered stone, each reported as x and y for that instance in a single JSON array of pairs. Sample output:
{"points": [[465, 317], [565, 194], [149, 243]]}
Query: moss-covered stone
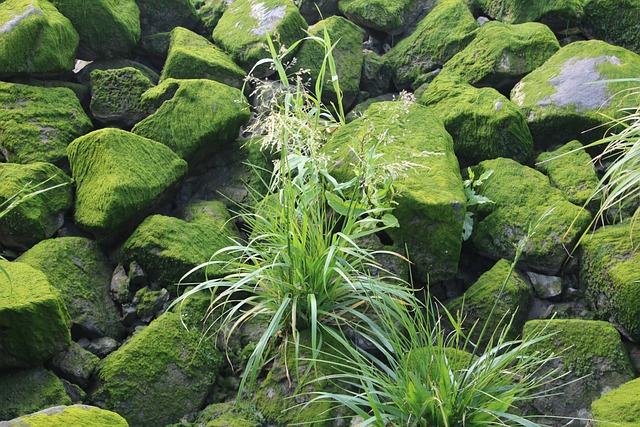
{"points": [[193, 117], [610, 271], [84, 76], [35, 38], [163, 373], [191, 56], [347, 55], [209, 12], [75, 364], [37, 123], [571, 170], [557, 14], [40, 215], [457, 360], [614, 21], [76, 415], [116, 96], [484, 124], [618, 408], [107, 28], [445, 31], [381, 15], [34, 323], [29, 390], [590, 355], [501, 54], [161, 16], [511, 295], [524, 203], [431, 201], [242, 30], [560, 102], [82, 273], [118, 176], [227, 415], [376, 74]]}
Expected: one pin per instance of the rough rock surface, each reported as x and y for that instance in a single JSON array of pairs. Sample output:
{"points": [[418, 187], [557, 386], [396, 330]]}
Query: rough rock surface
{"points": [[80, 415]]}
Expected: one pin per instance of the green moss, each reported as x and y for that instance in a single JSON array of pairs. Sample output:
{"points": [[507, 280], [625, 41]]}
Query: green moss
{"points": [[160, 374], [242, 28], [228, 415], [483, 123], [34, 323], [76, 415], [37, 123], [456, 359], [445, 31], [210, 12], [502, 52], [191, 56], [193, 117], [614, 21], [25, 391], [571, 170], [618, 408], [82, 273], [381, 15], [559, 14], [35, 38], [118, 175], [37, 217], [108, 28]]}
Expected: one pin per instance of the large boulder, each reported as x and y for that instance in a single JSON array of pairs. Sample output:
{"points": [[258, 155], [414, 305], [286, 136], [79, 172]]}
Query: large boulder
{"points": [[34, 323], [80, 415], [614, 21], [484, 124], [431, 201], [558, 14], [37, 123], [560, 101], [193, 117], [23, 391], [161, 16], [391, 17], [35, 38], [525, 204], [39, 215], [118, 176], [82, 274], [107, 28], [618, 408]]}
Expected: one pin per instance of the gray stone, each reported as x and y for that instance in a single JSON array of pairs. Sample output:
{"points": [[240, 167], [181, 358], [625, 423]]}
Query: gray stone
{"points": [[75, 364], [545, 286]]}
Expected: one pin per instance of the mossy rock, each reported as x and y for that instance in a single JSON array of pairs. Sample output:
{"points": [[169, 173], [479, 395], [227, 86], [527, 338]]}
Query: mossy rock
{"points": [[37, 123], [484, 124], [618, 408], [84, 75], [160, 375], [431, 201], [167, 248], [506, 295], [525, 203], [376, 74], [107, 28], [557, 14], [191, 56], [193, 117], [82, 273], [382, 15], [242, 30], [161, 16], [116, 96], [76, 415], [76, 365], [445, 31], [501, 54], [228, 414], [34, 322], [614, 21], [38, 216], [209, 12], [457, 360], [29, 390], [35, 38], [560, 101], [571, 170], [315, 10], [118, 176], [589, 353], [610, 271]]}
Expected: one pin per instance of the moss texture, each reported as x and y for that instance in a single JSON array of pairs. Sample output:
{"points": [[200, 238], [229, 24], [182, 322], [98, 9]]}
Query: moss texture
{"points": [[193, 117], [76, 415], [39, 216], [522, 200], [35, 38], [118, 175], [161, 374], [560, 102], [571, 170], [34, 323], [162, 16], [501, 53], [431, 201], [445, 31], [242, 29], [29, 390], [37, 123], [614, 21], [107, 28], [610, 270], [381, 15], [483, 123], [210, 12], [557, 14], [191, 56], [82, 273], [620, 407]]}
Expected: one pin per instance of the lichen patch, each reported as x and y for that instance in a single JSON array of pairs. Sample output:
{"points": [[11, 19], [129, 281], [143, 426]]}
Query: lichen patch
{"points": [[11, 24]]}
